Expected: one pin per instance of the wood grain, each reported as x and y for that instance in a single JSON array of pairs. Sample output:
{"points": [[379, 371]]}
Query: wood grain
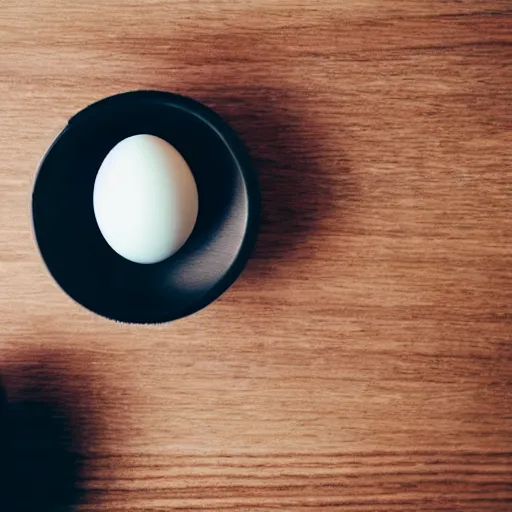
{"points": [[363, 362]]}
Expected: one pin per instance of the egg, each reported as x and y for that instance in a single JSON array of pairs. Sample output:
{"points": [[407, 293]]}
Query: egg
{"points": [[145, 199]]}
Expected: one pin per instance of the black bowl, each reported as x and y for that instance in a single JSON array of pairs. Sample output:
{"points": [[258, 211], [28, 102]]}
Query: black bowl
{"points": [[78, 256]]}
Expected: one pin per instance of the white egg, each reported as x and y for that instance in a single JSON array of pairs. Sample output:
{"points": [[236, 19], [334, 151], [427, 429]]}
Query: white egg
{"points": [[145, 199]]}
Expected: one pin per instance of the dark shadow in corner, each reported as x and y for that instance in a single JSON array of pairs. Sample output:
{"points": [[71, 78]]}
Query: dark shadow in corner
{"points": [[43, 443]]}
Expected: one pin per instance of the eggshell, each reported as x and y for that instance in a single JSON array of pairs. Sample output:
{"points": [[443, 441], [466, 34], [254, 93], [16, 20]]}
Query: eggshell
{"points": [[145, 199]]}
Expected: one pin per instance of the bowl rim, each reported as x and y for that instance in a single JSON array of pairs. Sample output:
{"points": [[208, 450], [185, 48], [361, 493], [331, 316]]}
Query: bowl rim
{"points": [[240, 156]]}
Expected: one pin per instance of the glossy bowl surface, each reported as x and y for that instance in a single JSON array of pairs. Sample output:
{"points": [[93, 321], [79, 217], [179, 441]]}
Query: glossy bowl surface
{"points": [[77, 255]]}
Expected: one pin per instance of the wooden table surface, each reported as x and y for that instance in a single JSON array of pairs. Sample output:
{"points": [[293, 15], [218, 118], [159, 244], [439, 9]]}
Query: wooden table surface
{"points": [[363, 362]]}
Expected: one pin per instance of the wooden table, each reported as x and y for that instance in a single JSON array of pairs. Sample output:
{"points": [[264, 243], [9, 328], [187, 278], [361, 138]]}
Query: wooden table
{"points": [[363, 362]]}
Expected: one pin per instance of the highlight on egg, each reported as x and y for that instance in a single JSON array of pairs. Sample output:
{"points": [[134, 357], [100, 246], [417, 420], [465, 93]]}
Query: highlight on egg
{"points": [[145, 199]]}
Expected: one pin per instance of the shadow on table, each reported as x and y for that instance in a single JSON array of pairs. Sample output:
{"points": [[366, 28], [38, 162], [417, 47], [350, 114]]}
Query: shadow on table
{"points": [[43, 443], [304, 181]]}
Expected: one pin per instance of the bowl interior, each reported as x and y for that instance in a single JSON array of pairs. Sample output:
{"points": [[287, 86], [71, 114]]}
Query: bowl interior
{"points": [[68, 236]]}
